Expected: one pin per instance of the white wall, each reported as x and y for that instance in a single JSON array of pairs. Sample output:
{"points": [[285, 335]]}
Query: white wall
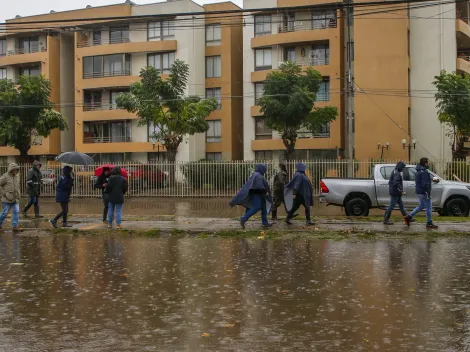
{"points": [[248, 90], [138, 62], [67, 90], [432, 49], [138, 134]]}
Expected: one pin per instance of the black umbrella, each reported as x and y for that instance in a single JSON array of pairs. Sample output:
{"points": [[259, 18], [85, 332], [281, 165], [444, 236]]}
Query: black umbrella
{"points": [[75, 158]]}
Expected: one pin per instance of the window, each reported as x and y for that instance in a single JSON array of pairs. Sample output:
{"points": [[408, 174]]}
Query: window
{"points": [[409, 173], [162, 62], [108, 65], [213, 66], [288, 22], [118, 35], [289, 54], [213, 34], [152, 132], [112, 98], [324, 91], [214, 156], [29, 45], [214, 133], [215, 93], [262, 131], [322, 132], [3, 73], [157, 157], [107, 132], [96, 38], [160, 30], [92, 100], [259, 91], [263, 59], [263, 155], [386, 171], [320, 55], [30, 71], [322, 20], [262, 25], [3, 47]]}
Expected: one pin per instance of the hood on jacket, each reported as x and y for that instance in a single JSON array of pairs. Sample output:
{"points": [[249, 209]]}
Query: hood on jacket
{"points": [[420, 168], [116, 171], [400, 166], [67, 171], [13, 166], [36, 164], [261, 168], [300, 167]]}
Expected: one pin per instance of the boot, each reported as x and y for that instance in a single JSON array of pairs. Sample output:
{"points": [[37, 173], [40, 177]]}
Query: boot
{"points": [[24, 212], [408, 219], [288, 220], [309, 223], [431, 226], [387, 219], [53, 222]]}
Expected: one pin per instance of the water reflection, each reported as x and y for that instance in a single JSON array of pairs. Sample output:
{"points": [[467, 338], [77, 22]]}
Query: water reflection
{"points": [[138, 294]]}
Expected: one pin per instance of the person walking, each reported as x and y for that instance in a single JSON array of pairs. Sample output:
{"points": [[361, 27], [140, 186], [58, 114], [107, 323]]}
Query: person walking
{"points": [[33, 183], [101, 183], [10, 192], [116, 189], [395, 190], [299, 192], [280, 180], [423, 190], [254, 195], [62, 196]]}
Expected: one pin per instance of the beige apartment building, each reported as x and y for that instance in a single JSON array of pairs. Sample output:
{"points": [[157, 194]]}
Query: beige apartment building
{"points": [[92, 62]]}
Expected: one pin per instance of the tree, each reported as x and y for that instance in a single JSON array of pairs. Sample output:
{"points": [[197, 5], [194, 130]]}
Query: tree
{"points": [[26, 113], [453, 104], [288, 103], [162, 104]]}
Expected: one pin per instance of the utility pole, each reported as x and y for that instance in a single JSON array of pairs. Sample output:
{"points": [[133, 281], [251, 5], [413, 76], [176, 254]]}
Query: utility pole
{"points": [[349, 83]]}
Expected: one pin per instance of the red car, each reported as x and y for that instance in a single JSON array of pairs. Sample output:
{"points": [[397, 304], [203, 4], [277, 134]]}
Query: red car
{"points": [[146, 176]]}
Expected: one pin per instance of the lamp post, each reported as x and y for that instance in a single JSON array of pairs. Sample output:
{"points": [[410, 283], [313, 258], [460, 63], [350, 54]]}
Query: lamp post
{"points": [[410, 146], [380, 146]]}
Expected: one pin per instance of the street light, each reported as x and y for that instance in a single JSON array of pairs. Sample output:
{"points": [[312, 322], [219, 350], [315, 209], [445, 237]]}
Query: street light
{"points": [[409, 146], [386, 146]]}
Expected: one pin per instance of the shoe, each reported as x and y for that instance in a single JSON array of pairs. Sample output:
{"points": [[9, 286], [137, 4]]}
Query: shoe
{"points": [[66, 225], [431, 226], [38, 216], [388, 222], [17, 229], [120, 227], [407, 220], [110, 226], [242, 223], [25, 214], [288, 221], [53, 223], [309, 223], [265, 226]]}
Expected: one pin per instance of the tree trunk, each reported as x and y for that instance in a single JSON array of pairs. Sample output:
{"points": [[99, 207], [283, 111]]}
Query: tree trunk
{"points": [[24, 157], [171, 156]]}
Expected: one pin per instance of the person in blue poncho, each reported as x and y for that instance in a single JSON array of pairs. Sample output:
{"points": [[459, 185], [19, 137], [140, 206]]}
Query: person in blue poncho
{"points": [[255, 195], [298, 192]]}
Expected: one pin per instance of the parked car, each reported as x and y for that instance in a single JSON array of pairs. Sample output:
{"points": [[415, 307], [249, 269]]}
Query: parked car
{"points": [[48, 177], [146, 176], [358, 196]]}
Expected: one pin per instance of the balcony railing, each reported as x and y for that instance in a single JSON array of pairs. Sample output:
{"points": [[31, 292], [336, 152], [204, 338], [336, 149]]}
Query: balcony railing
{"points": [[17, 80], [313, 62], [307, 25], [20, 51], [100, 107], [113, 139], [323, 96], [107, 74], [88, 43]]}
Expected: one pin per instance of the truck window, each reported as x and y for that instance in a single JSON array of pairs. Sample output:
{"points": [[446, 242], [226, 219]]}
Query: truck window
{"points": [[409, 174], [386, 171]]}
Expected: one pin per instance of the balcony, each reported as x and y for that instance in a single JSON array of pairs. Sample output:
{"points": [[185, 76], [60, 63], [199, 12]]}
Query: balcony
{"points": [[307, 25], [24, 56], [97, 112], [103, 74], [90, 42], [113, 139], [463, 33], [123, 45], [463, 64]]}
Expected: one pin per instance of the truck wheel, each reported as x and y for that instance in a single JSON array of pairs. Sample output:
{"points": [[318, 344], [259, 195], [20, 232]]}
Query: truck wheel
{"points": [[357, 207], [457, 207]]}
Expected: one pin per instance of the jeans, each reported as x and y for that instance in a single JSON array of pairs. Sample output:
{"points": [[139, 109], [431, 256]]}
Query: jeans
{"points": [[32, 200], [424, 203], [258, 203], [394, 200], [6, 210], [111, 207], [298, 201], [64, 212]]}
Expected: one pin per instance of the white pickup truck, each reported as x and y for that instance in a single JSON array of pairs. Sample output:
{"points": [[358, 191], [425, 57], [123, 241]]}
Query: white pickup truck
{"points": [[358, 196]]}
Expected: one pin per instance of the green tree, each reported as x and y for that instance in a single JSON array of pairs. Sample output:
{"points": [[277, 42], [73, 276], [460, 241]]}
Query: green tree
{"points": [[26, 112], [288, 103], [162, 103], [453, 104]]}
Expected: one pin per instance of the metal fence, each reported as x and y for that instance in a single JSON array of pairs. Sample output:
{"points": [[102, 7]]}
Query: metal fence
{"points": [[214, 179]]}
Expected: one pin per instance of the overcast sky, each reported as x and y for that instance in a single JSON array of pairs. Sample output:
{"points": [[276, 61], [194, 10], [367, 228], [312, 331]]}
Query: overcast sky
{"points": [[36, 7]]}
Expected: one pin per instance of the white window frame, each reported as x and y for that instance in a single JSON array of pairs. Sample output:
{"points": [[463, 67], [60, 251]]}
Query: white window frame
{"points": [[211, 66], [160, 30], [323, 93], [265, 64], [215, 93], [262, 135], [263, 25], [213, 34], [259, 92], [166, 61], [3, 73], [214, 133], [215, 156]]}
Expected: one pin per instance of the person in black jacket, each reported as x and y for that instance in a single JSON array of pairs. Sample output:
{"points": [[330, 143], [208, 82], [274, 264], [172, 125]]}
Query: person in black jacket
{"points": [[33, 188], [396, 191], [62, 196], [116, 189], [101, 183]]}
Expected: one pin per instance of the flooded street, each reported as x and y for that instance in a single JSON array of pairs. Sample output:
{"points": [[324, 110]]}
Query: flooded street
{"points": [[62, 293]]}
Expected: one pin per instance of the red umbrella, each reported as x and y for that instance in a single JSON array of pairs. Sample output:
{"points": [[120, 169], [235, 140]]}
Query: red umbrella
{"points": [[99, 170]]}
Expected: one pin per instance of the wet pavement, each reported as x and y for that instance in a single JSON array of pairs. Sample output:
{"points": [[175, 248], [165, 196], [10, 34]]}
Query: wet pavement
{"points": [[61, 293]]}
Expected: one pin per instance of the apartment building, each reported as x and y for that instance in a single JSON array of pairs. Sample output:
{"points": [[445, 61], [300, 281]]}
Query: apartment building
{"points": [[101, 59]]}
